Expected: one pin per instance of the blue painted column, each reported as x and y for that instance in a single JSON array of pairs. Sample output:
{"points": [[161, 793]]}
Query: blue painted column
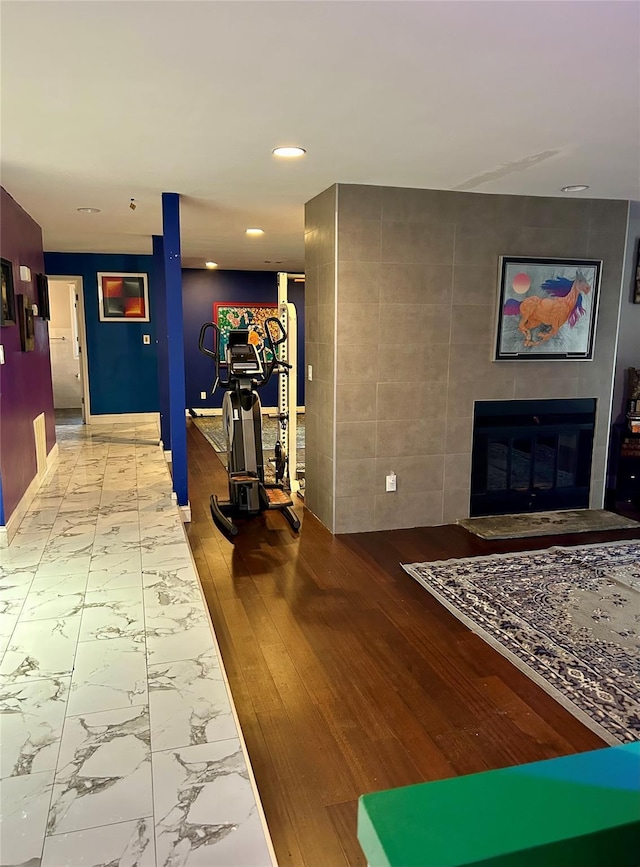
{"points": [[175, 343], [162, 339]]}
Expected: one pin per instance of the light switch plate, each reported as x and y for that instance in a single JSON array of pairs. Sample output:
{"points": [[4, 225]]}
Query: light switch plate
{"points": [[146, 339], [1, 354]]}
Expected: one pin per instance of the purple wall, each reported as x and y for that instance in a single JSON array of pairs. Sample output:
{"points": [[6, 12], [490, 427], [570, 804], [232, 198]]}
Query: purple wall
{"points": [[25, 378]]}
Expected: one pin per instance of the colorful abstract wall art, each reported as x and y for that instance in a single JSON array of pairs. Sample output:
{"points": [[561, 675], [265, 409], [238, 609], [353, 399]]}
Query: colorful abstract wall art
{"points": [[251, 316], [546, 308], [123, 297]]}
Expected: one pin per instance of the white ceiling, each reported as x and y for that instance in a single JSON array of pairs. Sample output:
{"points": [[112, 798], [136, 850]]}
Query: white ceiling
{"points": [[104, 101]]}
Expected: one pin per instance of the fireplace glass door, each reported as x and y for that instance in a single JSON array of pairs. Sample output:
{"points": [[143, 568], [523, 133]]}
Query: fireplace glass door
{"points": [[531, 456]]}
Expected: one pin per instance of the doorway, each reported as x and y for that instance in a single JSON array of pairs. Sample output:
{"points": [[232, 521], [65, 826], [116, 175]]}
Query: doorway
{"points": [[66, 343]]}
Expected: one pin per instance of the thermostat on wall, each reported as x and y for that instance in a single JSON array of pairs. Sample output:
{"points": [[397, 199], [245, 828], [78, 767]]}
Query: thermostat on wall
{"points": [[25, 273]]}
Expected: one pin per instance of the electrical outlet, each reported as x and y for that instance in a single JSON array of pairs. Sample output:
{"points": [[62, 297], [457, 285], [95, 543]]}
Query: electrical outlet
{"points": [[391, 482], [203, 395], [309, 373], [146, 339]]}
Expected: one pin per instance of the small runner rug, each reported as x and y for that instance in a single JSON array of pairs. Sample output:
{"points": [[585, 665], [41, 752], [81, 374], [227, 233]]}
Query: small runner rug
{"points": [[211, 427], [569, 618], [546, 523]]}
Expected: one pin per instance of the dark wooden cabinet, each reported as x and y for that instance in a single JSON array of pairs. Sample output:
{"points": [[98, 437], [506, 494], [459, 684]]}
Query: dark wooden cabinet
{"points": [[626, 452]]}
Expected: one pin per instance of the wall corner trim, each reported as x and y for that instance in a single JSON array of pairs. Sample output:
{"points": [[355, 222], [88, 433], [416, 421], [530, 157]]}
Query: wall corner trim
{"points": [[8, 531]]}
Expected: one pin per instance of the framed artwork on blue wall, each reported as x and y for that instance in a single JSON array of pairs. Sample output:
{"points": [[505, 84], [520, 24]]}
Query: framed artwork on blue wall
{"points": [[123, 297], [250, 316]]}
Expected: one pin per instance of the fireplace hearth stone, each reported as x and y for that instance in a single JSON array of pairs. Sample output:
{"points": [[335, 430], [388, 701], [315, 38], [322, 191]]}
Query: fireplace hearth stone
{"points": [[546, 523]]}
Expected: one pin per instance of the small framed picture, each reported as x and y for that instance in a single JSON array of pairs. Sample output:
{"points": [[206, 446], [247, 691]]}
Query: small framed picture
{"points": [[26, 324], [547, 308], [8, 311], [42, 290], [123, 297]]}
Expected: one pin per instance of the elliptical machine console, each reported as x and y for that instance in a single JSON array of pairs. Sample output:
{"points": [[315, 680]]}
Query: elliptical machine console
{"points": [[246, 371]]}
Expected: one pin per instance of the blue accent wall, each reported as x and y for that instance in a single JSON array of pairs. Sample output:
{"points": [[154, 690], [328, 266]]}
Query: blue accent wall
{"points": [[200, 290], [123, 373]]}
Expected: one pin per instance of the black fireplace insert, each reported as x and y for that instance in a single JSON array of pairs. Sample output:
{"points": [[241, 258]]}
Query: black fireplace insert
{"points": [[531, 455]]}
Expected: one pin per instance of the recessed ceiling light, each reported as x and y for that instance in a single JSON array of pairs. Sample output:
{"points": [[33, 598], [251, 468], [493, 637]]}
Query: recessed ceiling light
{"points": [[288, 152], [254, 231], [88, 210], [574, 188], [211, 264]]}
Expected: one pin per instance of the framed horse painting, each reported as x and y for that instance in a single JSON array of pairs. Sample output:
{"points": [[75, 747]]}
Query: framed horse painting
{"points": [[547, 308]]}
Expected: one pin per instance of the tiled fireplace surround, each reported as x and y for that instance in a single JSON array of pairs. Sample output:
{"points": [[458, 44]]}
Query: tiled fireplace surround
{"points": [[401, 286]]}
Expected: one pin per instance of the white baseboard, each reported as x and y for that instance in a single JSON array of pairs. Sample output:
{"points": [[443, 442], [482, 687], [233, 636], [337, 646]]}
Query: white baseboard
{"points": [[217, 411], [125, 418], [167, 455], [185, 513], [8, 531]]}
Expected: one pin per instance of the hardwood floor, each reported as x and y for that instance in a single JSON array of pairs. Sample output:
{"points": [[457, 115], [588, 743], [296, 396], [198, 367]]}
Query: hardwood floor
{"points": [[348, 677]]}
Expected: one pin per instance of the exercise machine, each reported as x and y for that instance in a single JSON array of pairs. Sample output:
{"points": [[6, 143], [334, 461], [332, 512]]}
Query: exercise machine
{"points": [[246, 370]]}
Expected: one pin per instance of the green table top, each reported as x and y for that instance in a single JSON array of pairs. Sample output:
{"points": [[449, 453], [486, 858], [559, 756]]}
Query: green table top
{"points": [[582, 809]]}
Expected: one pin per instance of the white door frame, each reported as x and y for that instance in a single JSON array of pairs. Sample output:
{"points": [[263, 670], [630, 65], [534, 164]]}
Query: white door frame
{"points": [[81, 330], [288, 385]]}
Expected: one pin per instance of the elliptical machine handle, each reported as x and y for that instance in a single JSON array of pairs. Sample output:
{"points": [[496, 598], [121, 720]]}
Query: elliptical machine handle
{"points": [[283, 333], [272, 344], [212, 353]]}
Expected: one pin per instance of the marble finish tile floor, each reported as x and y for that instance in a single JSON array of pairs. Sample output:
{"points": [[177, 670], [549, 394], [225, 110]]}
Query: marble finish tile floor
{"points": [[118, 740]]}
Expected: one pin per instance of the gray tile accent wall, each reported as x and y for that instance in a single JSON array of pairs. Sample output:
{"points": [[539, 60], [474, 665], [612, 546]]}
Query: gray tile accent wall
{"points": [[416, 296], [320, 345]]}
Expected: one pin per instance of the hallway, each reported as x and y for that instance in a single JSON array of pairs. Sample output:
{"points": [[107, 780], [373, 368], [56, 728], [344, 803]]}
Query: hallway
{"points": [[116, 718]]}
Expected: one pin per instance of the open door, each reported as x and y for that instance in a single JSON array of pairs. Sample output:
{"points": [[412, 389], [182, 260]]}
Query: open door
{"points": [[67, 348]]}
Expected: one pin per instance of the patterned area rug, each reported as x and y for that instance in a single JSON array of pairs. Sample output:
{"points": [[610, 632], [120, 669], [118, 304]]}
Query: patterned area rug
{"points": [[546, 523], [211, 427], [568, 617]]}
